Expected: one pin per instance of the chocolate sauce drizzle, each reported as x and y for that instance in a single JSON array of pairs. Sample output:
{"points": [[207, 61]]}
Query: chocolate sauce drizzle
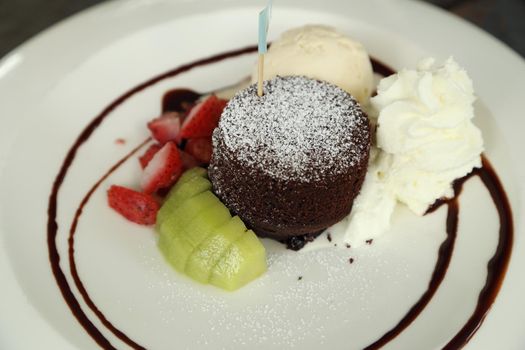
{"points": [[496, 267], [52, 225], [71, 246], [179, 100]]}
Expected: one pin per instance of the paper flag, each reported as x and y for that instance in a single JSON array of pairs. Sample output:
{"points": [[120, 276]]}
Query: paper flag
{"points": [[264, 22]]}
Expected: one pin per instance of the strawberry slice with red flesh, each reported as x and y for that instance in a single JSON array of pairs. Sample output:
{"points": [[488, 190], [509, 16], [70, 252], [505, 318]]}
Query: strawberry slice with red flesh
{"points": [[200, 148], [137, 207], [163, 170], [166, 127], [203, 118], [188, 161], [148, 155]]}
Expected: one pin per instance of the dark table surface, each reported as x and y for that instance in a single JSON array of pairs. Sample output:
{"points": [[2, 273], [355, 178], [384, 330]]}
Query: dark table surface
{"points": [[21, 19]]}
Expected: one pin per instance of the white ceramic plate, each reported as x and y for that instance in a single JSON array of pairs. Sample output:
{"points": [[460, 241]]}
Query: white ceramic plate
{"points": [[53, 86]]}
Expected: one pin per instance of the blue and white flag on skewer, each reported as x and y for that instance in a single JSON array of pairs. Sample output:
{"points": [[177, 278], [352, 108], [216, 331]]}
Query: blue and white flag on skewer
{"points": [[264, 23]]}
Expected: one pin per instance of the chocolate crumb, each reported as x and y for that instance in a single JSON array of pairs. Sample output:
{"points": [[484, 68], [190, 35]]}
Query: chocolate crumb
{"points": [[348, 245], [369, 241], [299, 278], [335, 245], [120, 141], [298, 242], [351, 260], [329, 237]]}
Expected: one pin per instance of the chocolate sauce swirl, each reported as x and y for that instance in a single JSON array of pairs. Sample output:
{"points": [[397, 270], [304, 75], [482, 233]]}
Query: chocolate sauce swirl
{"points": [[177, 100], [496, 267]]}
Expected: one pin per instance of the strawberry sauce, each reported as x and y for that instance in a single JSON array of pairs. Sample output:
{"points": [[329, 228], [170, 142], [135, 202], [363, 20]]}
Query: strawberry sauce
{"points": [[179, 100]]}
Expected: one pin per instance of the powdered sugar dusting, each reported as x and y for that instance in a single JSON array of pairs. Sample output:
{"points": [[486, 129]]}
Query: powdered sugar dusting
{"points": [[279, 311], [300, 129]]}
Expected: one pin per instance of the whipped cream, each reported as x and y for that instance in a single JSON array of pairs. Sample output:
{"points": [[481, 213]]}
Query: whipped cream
{"points": [[425, 124], [372, 209], [425, 139]]}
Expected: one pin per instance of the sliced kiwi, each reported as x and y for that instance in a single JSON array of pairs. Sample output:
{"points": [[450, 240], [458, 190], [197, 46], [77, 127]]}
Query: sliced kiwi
{"points": [[244, 261], [180, 217], [208, 253], [199, 237], [186, 235], [191, 173], [190, 188]]}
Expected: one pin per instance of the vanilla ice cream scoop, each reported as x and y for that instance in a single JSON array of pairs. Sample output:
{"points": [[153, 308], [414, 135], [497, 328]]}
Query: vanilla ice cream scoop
{"points": [[321, 52]]}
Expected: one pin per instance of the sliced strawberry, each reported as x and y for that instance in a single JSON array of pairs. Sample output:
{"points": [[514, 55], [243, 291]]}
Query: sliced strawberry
{"points": [[135, 206], [166, 127], [148, 155], [221, 104], [200, 148], [163, 170], [188, 161], [203, 118]]}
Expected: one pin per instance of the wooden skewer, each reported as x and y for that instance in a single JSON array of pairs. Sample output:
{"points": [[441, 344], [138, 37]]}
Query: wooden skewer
{"points": [[260, 75]]}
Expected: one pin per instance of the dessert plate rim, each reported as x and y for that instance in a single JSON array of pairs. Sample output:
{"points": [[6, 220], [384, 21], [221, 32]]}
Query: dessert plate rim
{"points": [[19, 68]]}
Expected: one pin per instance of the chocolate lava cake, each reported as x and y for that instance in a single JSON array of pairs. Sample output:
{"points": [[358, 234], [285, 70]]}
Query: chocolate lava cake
{"points": [[291, 162]]}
